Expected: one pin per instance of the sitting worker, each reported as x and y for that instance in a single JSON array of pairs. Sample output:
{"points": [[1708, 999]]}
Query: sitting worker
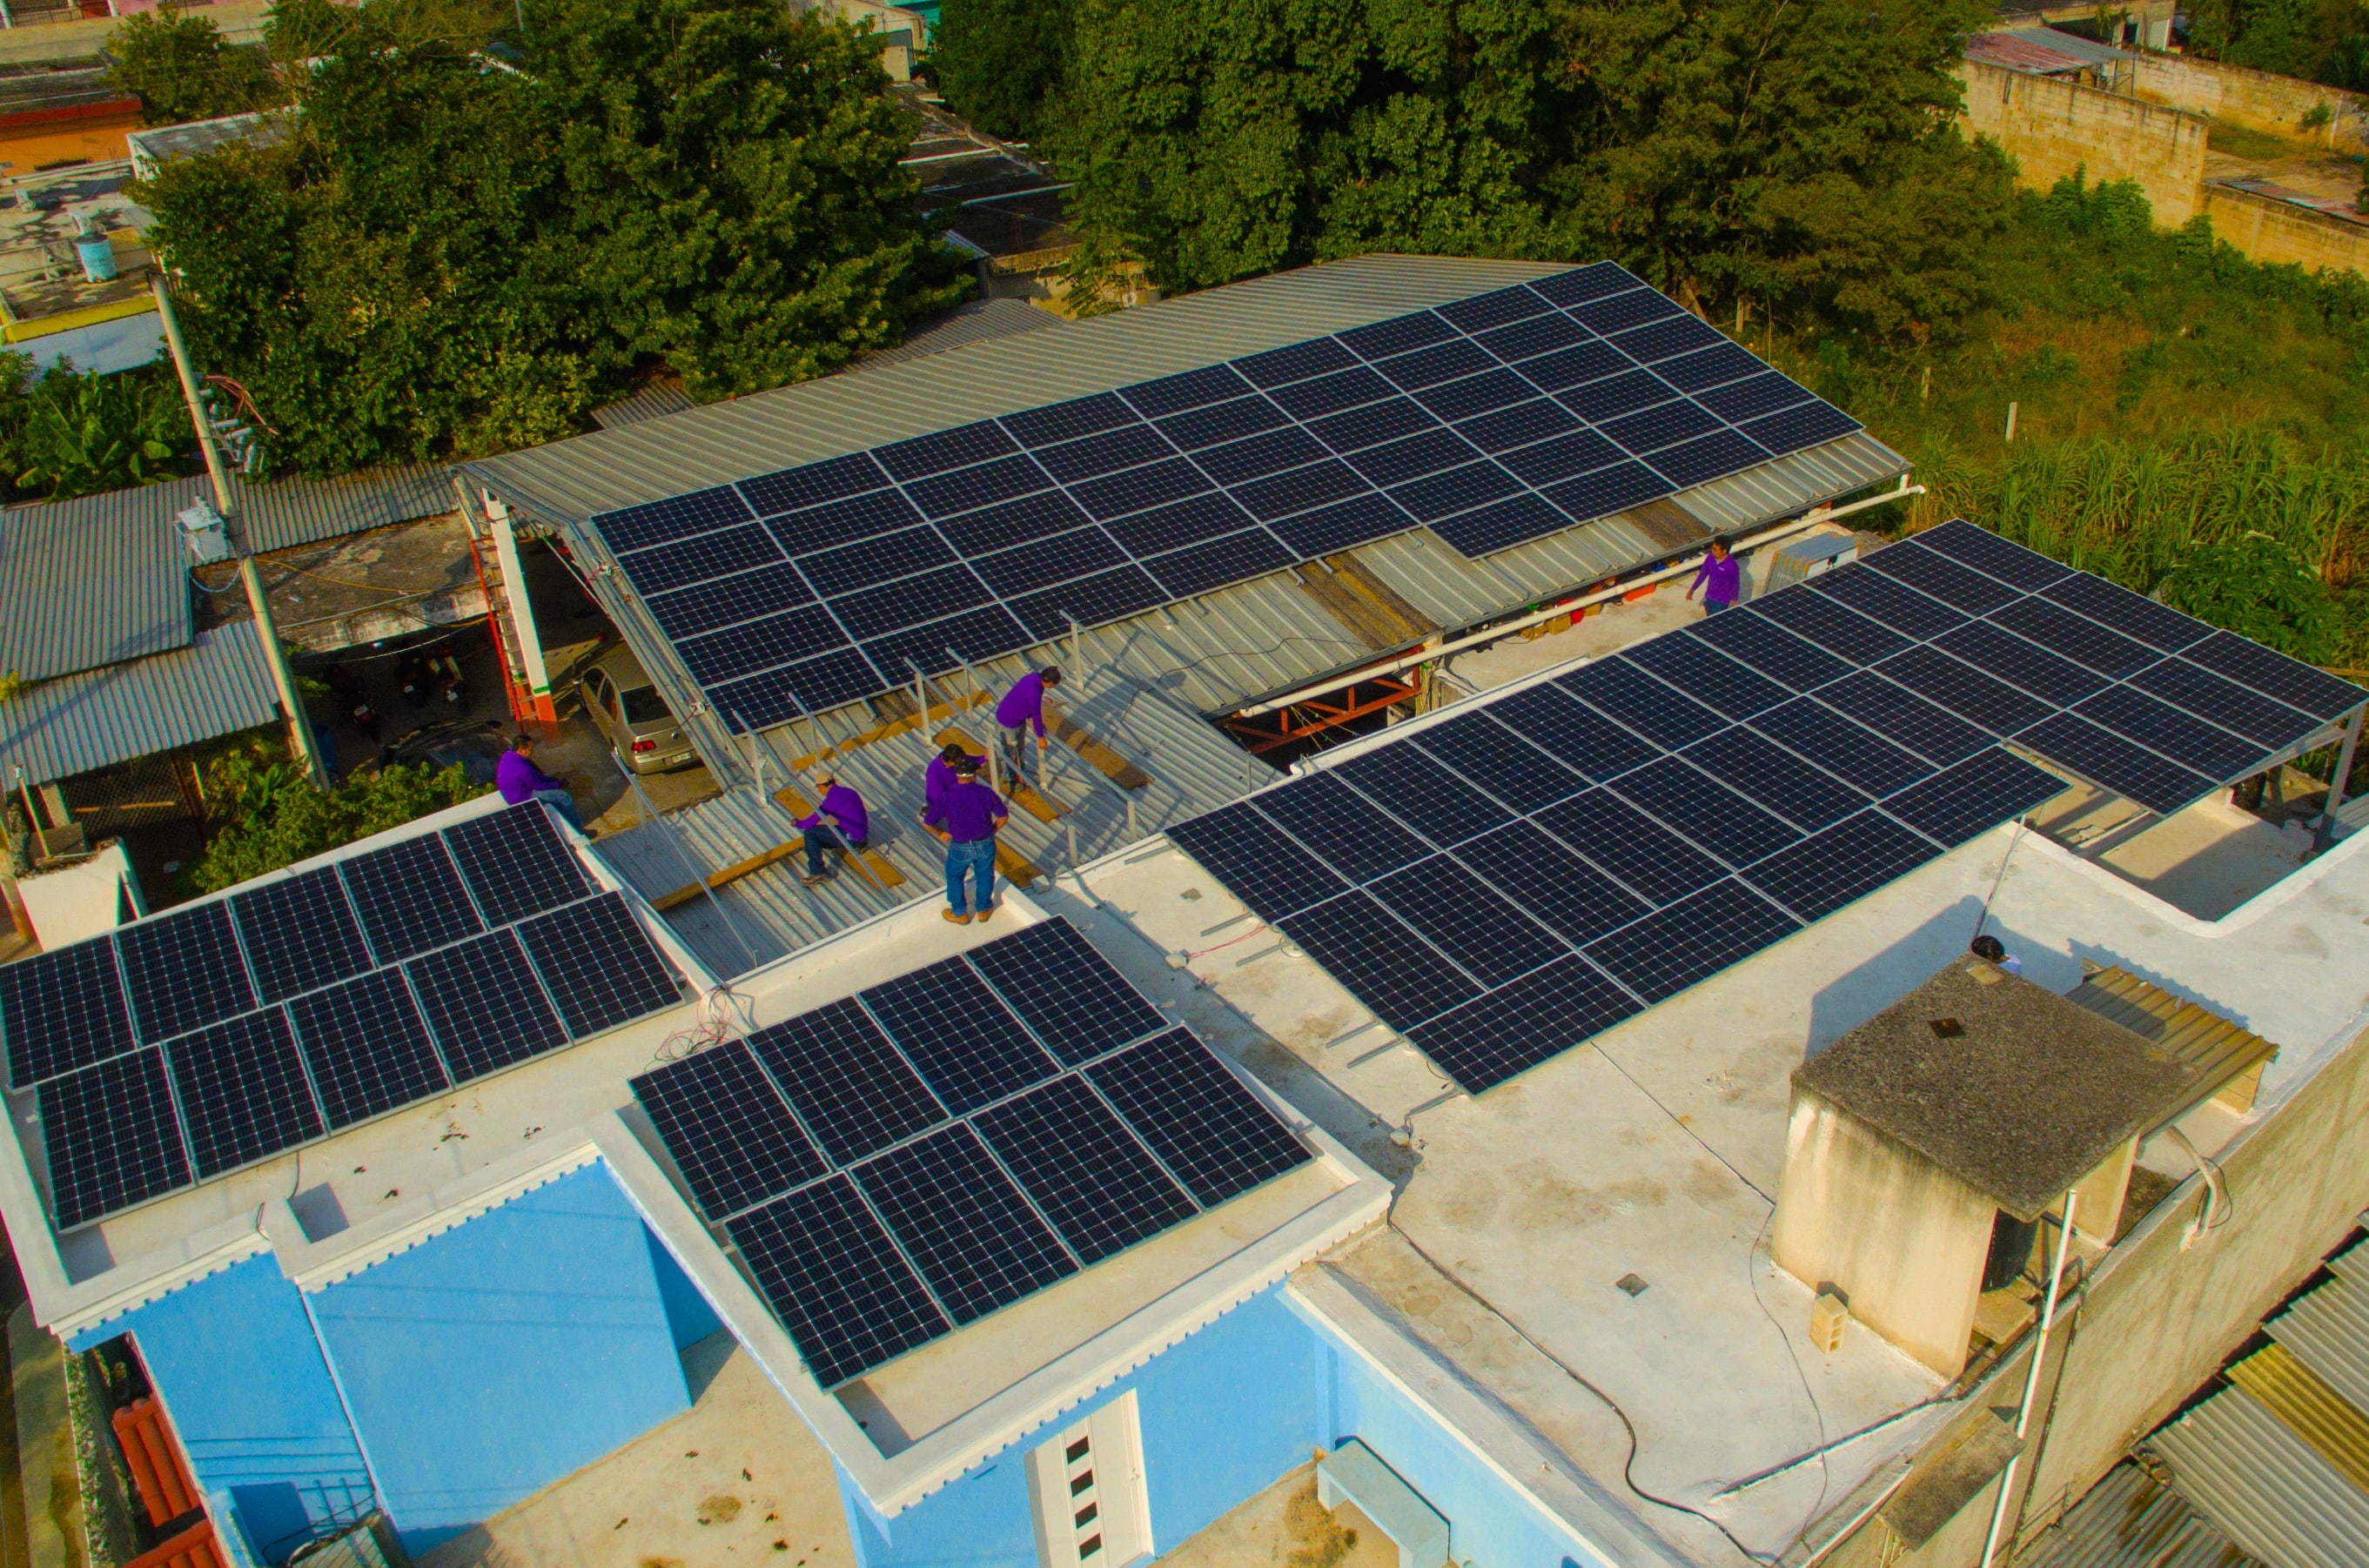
{"points": [[517, 779], [965, 820], [1023, 706], [839, 823], [939, 777]]}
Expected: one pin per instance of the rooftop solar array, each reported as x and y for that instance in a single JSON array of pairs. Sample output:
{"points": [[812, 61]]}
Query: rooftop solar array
{"points": [[206, 1038], [1493, 420], [1504, 884], [894, 1165]]}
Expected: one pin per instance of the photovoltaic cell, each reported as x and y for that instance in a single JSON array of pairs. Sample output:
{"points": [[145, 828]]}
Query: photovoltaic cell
{"points": [[1709, 366], [1299, 489], [1842, 746], [1089, 601], [797, 633], [1500, 523], [873, 515], [484, 1005], [969, 1049], [956, 448], [1623, 691], [630, 528], [1427, 452], [1577, 366], [1615, 312], [731, 1136], [1582, 284], [1565, 457], [1353, 521], [1198, 1117], [1617, 394], [1667, 424], [111, 1136], [1321, 813], [1650, 860], [409, 897], [696, 559], [2121, 765], [1456, 912], [813, 484], [2274, 675], [1299, 362], [1973, 797], [1398, 335], [183, 970], [829, 1272], [1709, 814], [1572, 733], [1105, 454], [515, 863], [1236, 557], [1963, 690], [1508, 767], [744, 596], [1804, 425], [1237, 462], [1887, 599], [1064, 990], [1079, 552], [1706, 457], [972, 635], [1668, 339], [1769, 648], [243, 1092], [2028, 666], [62, 1010], [1538, 335], [757, 701], [597, 965], [975, 1239], [1550, 881], [1088, 1175], [1476, 395], [1906, 720], [1839, 630], [367, 1047], [1985, 551], [1222, 422], [1515, 1028], [1498, 306], [1807, 797], [1012, 522], [1179, 523], [965, 489], [2226, 703], [1841, 865], [2075, 637], [1372, 424], [1960, 587], [2190, 741], [1519, 425], [1762, 393], [855, 1092], [1402, 977], [299, 933], [2166, 630], [1066, 421], [1607, 490], [1331, 394], [1709, 676], [908, 602], [1691, 939], [1257, 862], [1193, 389]]}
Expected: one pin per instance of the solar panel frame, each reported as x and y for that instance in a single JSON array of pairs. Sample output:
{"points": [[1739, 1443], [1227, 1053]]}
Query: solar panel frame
{"points": [[1841, 864], [1211, 1133], [484, 1005], [1648, 859], [843, 1290], [1268, 870], [243, 1092], [597, 965], [967, 1046], [182, 971], [366, 1047], [1086, 1171], [1399, 975], [1068, 994], [410, 897], [514, 863], [1972, 795], [729, 1131], [853, 1090], [298, 933], [1552, 883], [975, 1237], [1684, 943], [112, 1137], [1510, 1030], [64, 1010]]}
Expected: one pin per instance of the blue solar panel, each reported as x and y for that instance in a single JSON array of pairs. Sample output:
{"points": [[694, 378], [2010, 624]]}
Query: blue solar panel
{"points": [[1257, 861], [1710, 677], [1331, 394], [1500, 523], [1066, 421], [1222, 422], [1487, 936], [1973, 797], [1270, 454], [1236, 557], [1517, 426], [1624, 692], [1344, 523], [631, 528], [697, 559], [1538, 335], [807, 487], [1841, 865], [1710, 814], [1402, 977], [825, 1264], [842, 521], [1804, 794], [62, 1010], [1014, 522], [1691, 939], [2123, 766], [1082, 552], [1125, 447], [1960, 587], [1517, 1026]]}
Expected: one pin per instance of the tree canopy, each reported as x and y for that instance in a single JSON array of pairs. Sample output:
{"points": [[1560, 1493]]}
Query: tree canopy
{"points": [[179, 68], [443, 252], [1001, 61]]}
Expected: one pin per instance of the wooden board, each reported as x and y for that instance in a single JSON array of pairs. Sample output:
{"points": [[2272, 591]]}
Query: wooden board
{"points": [[791, 801], [728, 875], [1109, 763], [884, 731]]}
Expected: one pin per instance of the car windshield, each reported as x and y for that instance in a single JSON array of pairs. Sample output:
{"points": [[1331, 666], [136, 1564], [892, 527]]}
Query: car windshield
{"points": [[644, 706]]}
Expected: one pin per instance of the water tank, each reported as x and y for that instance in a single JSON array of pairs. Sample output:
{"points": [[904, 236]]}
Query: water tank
{"points": [[96, 256]]}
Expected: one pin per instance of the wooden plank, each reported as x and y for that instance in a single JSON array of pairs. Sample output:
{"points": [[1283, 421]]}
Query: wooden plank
{"points": [[1015, 868], [730, 874], [1111, 765], [1021, 792], [791, 801], [884, 731]]}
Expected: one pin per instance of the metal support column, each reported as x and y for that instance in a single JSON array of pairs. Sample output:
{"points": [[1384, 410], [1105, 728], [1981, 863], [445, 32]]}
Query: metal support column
{"points": [[514, 589], [2324, 835]]}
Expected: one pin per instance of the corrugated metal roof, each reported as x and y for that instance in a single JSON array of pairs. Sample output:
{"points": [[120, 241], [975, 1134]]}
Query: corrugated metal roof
{"points": [[2264, 1487], [2218, 1049], [659, 400], [218, 685], [2130, 1520], [2043, 50], [94, 581], [768, 913], [2313, 1411], [980, 321], [289, 512], [2328, 1330]]}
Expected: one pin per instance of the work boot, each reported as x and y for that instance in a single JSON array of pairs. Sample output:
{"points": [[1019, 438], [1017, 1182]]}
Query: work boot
{"points": [[954, 918]]}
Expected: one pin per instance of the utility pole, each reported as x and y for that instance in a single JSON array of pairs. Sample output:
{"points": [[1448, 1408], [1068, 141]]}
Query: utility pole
{"points": [[266, 631]]}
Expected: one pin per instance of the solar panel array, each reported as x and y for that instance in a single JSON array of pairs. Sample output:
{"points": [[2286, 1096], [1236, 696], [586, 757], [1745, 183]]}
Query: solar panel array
{"points": [[206, 1038], [896, 1165], [1502, 886], [1493, 420]]}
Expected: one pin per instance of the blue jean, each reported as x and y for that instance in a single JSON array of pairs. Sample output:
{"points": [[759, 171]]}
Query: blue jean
{"points": [[1713, 606], [559, 800], [823, 838], [976, 862]]}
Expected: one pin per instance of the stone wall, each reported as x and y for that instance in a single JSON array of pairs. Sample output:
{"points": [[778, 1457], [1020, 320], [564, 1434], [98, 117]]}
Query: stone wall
{"points": [[2255, 99], [2271, 230], [2055, 127]]}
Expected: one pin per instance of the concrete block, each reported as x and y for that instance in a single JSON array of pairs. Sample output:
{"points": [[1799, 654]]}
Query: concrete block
{"points": [[1829, 1316]]}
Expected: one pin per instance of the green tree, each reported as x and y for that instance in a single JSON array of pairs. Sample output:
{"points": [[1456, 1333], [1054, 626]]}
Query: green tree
{"points": [[181, 70], [82, 434], [267, 814], [1003, 63], [2258, 588]]}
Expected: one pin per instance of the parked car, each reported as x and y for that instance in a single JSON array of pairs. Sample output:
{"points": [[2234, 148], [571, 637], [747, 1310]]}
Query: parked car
{"points": [[622, 701]]}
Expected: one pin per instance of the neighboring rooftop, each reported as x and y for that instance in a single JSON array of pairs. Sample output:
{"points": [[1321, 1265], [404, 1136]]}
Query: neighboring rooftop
{"points": [[2007, 1086], [158, 146], [2046, 52]]}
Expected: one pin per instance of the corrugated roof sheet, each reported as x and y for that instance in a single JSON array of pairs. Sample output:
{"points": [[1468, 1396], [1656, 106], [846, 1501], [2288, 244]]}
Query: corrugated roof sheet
{"points": [[218, 685], [2041, 51], [2312, 1411], [2218, 1049], [659, 400], [289, 512], [2328, 1330], [2264, 1487], [980, 321], [2130, 1520], [94, 581]]}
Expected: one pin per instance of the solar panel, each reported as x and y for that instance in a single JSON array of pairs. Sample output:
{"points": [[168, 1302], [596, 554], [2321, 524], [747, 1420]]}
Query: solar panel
{"points": [[2226, 703], [2067, 632], [1429, 367], [970, 1049], [298, 933], [1550, 882], [1576, 366], [1960, 587], [1066, 421], [1199, 567], [1263, 867], [1832, 625], [1691, 939], [111, 1137], [1565, 456], [1647, 858], [1655, 709], [597, 965], [1208, 1129], [2032, 669], [799, 632], [1808, 796], [701, 607], [1012, 522], [1973, 797], [1705, 457], [1487, 937], [409, 897], [1841, 865], [1802, 425], [1538, 335], [1985, 551], [1078, 553], [1088, 601], [1331, 394], [1574, 733], [243, 1092], [1842, 746], [697, 559], [1769, 648], [1585, 283], [183, 970], [1709, 676], [366, 1047], [2121, 765], [2274, 675], [515, 863], [1879, 598], [62, 1009], [1476, 395], [822, 530], [1297, 362], [1336, 527], [1372, 425], [1221, 422], [1076, 1003], [825, 1264], [1902, 716], [1514, 518], [1179, 523], [1749, 399], [484, 1005], [1425, 451], [2167, 631], [1087, 1172], [1193, 389], [1709, 814], [732, 1137], [1493, 309], [1268, 453], [1402, 977], [2192, 743], [1963, 690], [976, 1240], [855, 1092], [1408, 783], [634, 527], [1515, 1028], [1324, 815], [1508, 767]]}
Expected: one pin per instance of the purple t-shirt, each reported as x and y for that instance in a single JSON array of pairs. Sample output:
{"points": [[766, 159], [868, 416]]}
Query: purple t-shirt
{"points": [[1025, 703], [517, 779], [967, 812], [1720, 579], [844, 807], [938, 778]]}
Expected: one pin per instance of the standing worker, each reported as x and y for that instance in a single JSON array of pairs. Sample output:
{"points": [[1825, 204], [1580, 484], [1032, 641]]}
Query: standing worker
{"points": [[965, 819], [848, 829], [1022, 706], [1721, 576], [517, 779], [939, 777]]}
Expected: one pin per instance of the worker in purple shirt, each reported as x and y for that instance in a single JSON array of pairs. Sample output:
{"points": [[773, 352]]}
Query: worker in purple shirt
{"points": [[517, 779], [1022, 707], [839, 823], [965, 819], [1720, 577], [939, 777]]}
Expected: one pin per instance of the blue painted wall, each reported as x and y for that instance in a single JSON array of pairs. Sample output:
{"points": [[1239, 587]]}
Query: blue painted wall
{"points": [[242, 1379], [500, 1355]]}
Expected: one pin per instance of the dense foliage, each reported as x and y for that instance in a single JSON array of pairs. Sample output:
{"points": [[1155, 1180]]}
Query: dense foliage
{"points": [[179, 68], [64, 433], [442, 253], [999, 61], [265, 815], [2321, 41]]}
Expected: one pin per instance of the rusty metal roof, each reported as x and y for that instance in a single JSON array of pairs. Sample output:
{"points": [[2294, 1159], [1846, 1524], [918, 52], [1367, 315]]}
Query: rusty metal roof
{"points": [[2131, 1520], [2218, 1050], [2311, 1409]]}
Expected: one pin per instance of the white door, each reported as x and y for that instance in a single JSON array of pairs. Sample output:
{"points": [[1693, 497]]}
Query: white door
{"points": [[1087, 1487]]}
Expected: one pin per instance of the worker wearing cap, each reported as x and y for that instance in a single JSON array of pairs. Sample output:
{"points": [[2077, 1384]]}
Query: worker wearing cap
{"points": [[939, 777], [965, 819], [839, 823], [519, 780], [1024, 707], [1720, 578]]}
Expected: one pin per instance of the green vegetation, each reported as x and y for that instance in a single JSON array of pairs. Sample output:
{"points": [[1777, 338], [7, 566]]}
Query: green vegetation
{"points": [[999, 61], [2318, 40], [446, 254], [265, 815], [77, 434], [181, 70]]}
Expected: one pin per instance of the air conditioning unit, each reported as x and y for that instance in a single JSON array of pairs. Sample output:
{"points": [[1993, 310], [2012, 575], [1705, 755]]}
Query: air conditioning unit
{"points": [[207, 536]]}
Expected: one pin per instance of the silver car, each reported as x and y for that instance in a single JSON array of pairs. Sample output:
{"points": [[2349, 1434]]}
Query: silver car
{"points": [[622, 700]]}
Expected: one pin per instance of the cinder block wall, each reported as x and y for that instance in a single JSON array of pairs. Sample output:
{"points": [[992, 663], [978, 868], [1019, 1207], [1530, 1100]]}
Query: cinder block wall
{"points": [[2269, 230], [2055, 127], [2256, 98]]}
